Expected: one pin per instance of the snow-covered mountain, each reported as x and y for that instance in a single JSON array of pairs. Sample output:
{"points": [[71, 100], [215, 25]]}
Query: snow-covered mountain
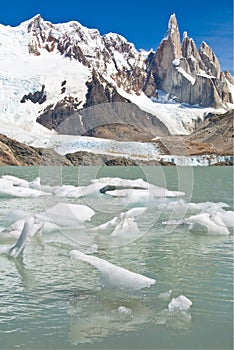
{"points": [[50, 72]]}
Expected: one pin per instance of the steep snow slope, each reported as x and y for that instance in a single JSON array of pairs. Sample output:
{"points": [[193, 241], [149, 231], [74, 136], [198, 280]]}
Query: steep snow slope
{"points": [[22, 73]]}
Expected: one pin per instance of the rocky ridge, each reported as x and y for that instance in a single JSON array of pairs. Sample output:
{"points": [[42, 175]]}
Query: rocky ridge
{"points": [[193, 76]]}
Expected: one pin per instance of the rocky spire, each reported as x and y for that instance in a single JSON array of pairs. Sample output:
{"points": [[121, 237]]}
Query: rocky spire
{"points": [[173, 36], [211, 62], [190, 53], [168, 51]]}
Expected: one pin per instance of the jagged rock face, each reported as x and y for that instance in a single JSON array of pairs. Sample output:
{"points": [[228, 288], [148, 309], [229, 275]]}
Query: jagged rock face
{"points": [[36, 97], [104, 106], [218, 130], [100, 91], [190, 75], [168, 50], [211, 62], [229, 77], [176, 68], [111, 54], [53, 116], [191, 54]]}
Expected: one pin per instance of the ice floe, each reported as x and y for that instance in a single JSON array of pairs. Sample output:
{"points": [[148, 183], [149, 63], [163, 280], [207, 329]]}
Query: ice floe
{"points": [[214, 223], [138, 187], [65, 213], [115, 276], [122, 223], [15, 187], [181, 303]]}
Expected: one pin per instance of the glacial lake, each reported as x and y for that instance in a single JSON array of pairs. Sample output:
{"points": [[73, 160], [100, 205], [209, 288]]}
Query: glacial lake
{"points": [[50, 301]]}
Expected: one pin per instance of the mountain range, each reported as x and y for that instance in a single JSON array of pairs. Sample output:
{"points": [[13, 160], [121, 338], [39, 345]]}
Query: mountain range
{"points": [[60, 79]]}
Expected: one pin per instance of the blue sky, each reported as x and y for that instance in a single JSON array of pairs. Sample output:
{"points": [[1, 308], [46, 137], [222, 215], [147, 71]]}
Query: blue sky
{"points": [[142, 22]]}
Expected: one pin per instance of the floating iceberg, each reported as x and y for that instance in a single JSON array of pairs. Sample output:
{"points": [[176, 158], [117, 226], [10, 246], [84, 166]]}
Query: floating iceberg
{"points": [[214, 223], [15, 187], [125, 228], [61, 215], [65, 213], [181, 303], [136, 190], [115, 276]]}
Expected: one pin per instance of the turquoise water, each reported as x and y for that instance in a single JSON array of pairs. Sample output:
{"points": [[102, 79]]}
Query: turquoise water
{"points": [[48, 301]]}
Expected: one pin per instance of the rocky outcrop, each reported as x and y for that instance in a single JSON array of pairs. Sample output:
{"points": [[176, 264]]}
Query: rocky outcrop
{"points": [[84, 158], [100, 91], [36, 97], [217, 129], [16, 153], [53, 116], [104, 106], [120, 132]]}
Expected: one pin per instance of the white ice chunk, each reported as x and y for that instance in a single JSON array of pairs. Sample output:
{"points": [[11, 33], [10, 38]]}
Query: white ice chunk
{"points": [[215, 223], [109, 224], [16, 181], [134, 212], [14, 230], [64, 213], [36, 185], [126, 228], [181, 303], [135, 191], [14, 187], [113, 223], [115, 276], [69, 191], [123, 313], [226, 218]]}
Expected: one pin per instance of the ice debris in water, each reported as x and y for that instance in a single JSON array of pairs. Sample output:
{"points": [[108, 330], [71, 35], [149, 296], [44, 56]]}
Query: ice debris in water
{"points": [[123, 313], [63, 213], [30, 228], [113, 275], [15, 187], [137, 189], [215, 223], [60, 215], [123, 217], [181, 303]]}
